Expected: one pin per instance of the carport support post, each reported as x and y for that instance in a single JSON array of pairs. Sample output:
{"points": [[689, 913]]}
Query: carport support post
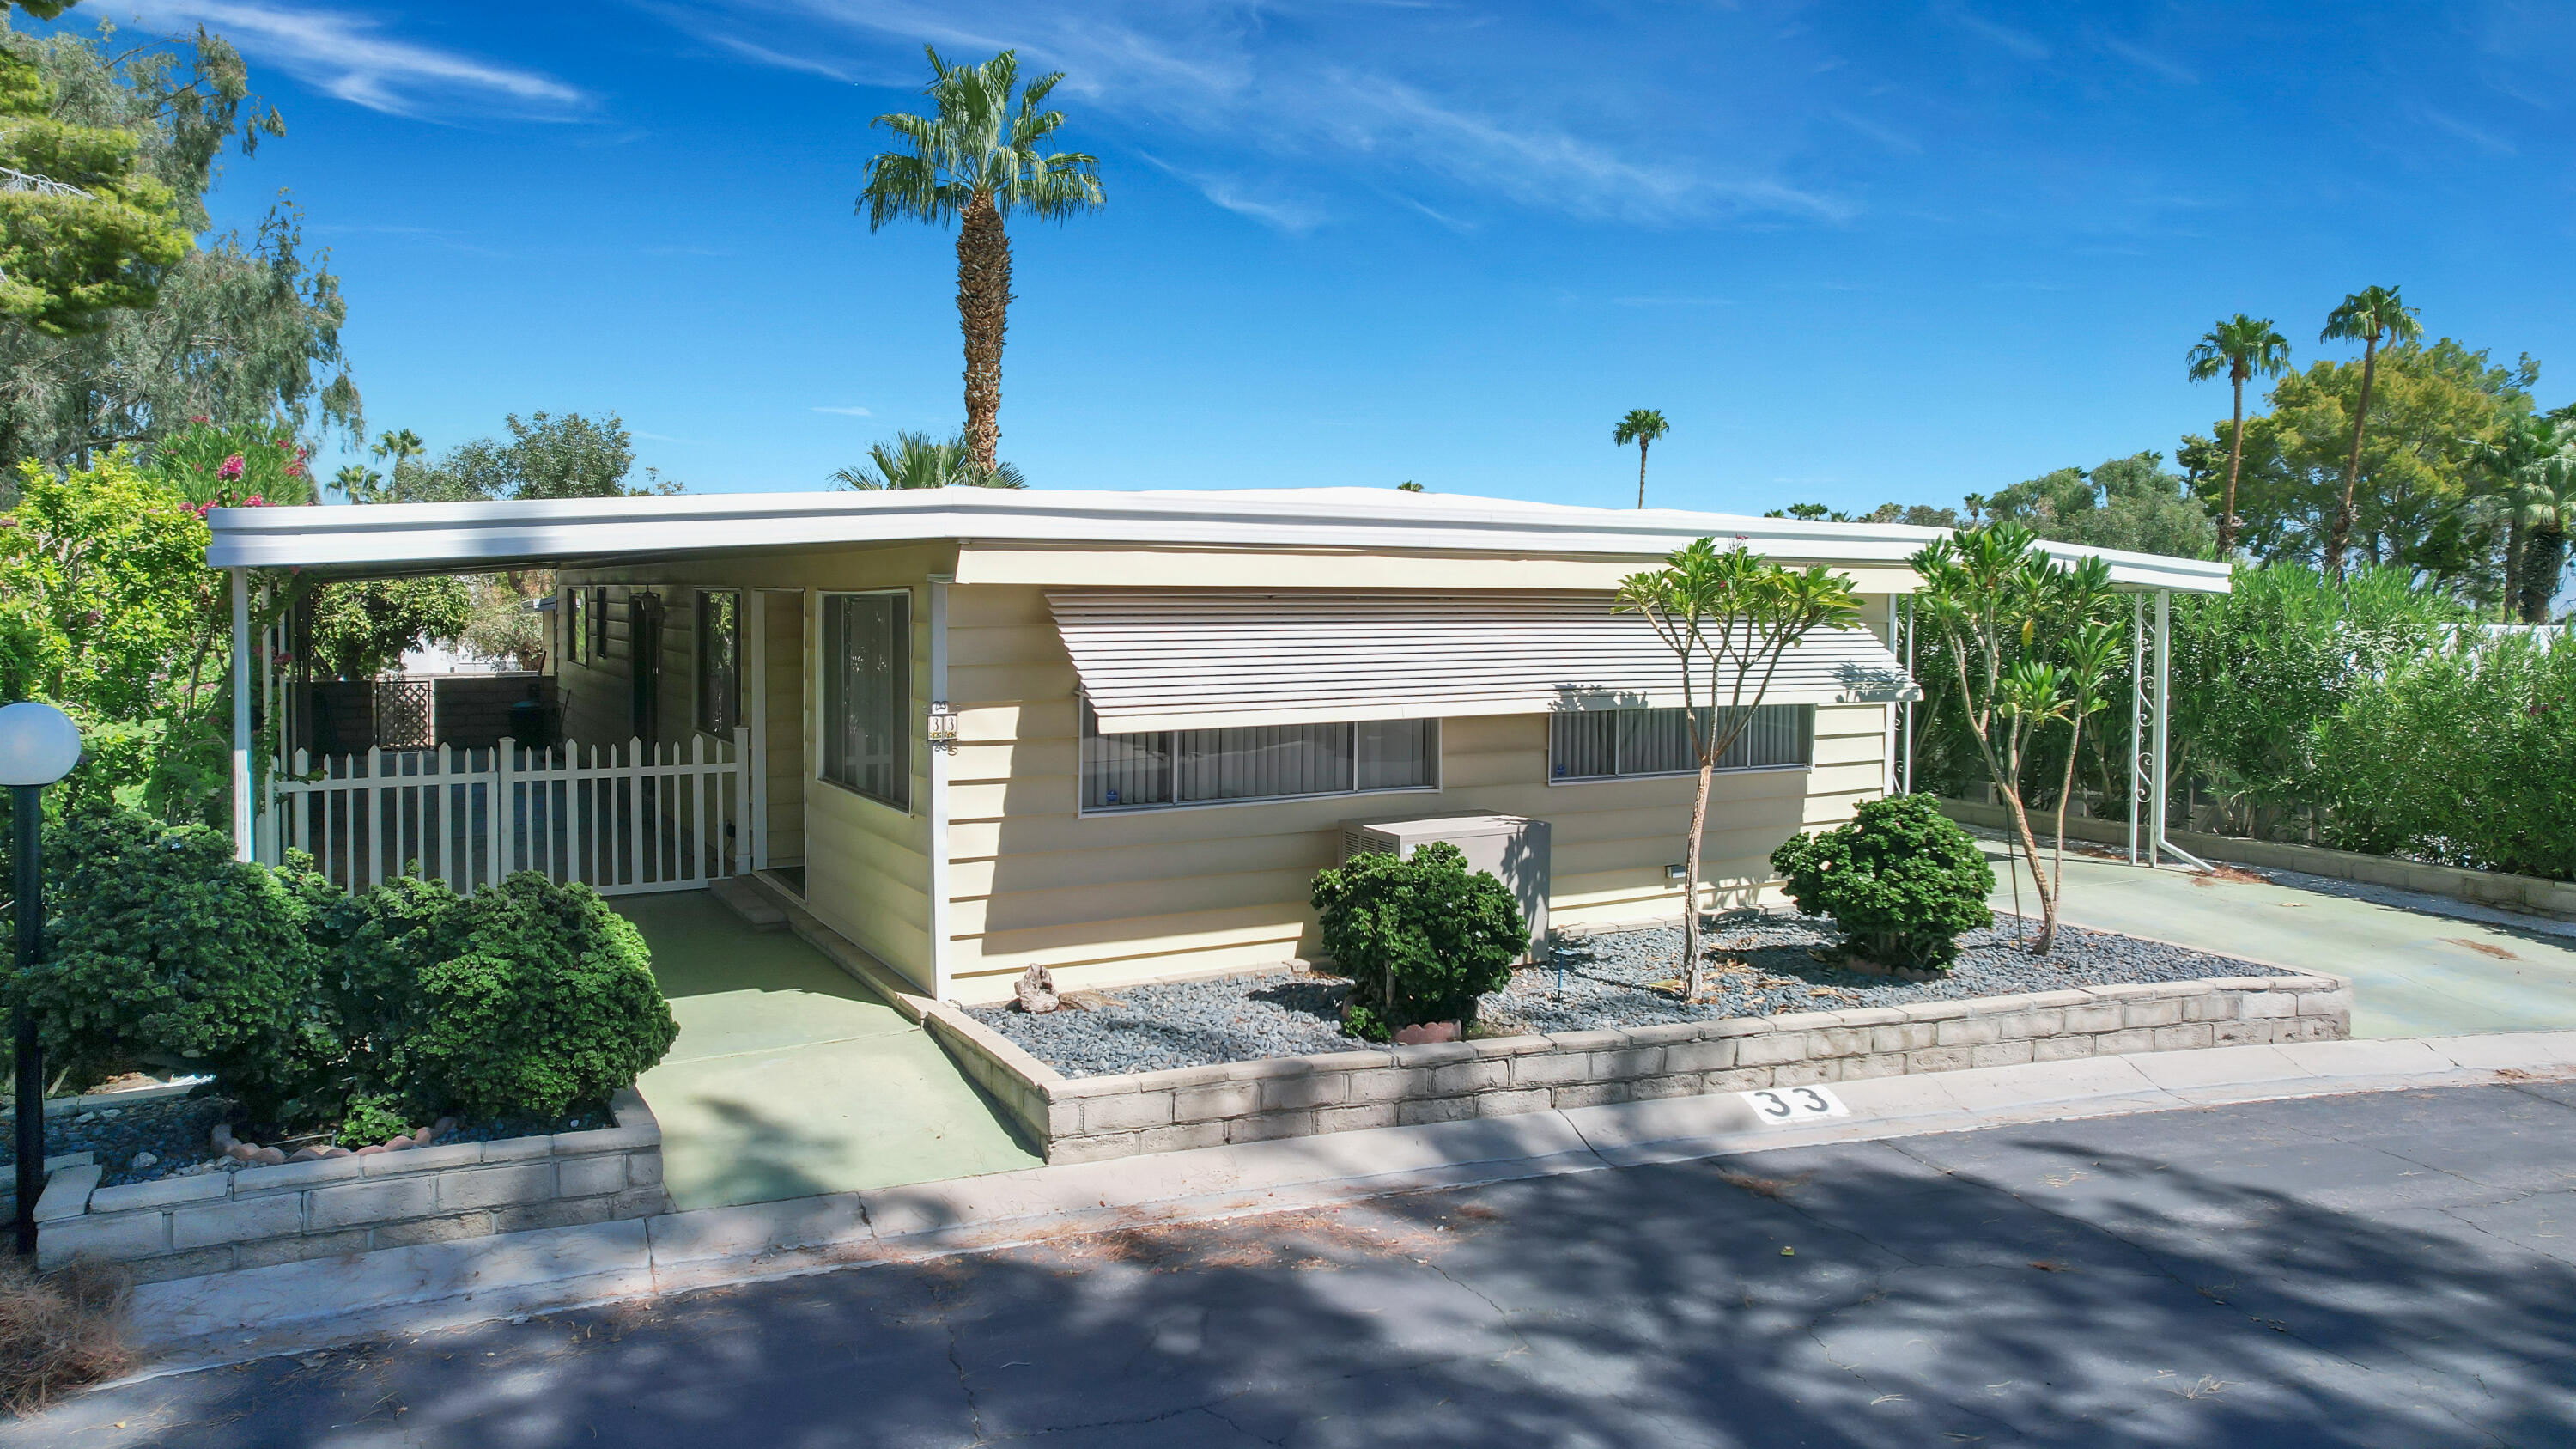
{"points": [[2137, 715], [242, 814], [940, 754]]}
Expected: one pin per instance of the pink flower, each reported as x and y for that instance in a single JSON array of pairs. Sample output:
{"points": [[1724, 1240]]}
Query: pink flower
{"points": [[200, 418], [254, 501], [232, 468]]}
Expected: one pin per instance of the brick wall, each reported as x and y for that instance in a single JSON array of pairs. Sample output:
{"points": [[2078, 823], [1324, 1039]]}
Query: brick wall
{"points": [[212, 1222]]}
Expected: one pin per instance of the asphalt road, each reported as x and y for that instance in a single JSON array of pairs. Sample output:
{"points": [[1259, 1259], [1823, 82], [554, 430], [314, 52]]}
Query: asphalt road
{"points": [[2389, 1270]]}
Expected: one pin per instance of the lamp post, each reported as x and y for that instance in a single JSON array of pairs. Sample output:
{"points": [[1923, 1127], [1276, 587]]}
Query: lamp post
{"points": [[39, 744]]}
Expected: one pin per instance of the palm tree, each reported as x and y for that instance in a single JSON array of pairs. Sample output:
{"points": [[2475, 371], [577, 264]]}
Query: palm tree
{"points": [[976, 158], [2370, 316], [2513, 463], [1641, 426], [2546, 509], [917, 460], [2241, 347]]}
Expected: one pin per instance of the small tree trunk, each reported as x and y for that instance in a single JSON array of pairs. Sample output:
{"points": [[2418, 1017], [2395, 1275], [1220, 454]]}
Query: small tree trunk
{"points": [[1641, 472], [2235, 462], [2039, 882], [2341, 534], [983, 311], [2065, 789], [2513, 546], [2544, 554], [1690, 881]]}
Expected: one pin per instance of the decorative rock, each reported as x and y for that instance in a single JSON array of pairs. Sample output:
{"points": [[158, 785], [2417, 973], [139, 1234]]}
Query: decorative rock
{"points": [[142, 1160], [369, 1150], [305, 1154], [444, 1125], [335, 1152], [268, 1157], [242, 1152], [221, 1138], [1429, 1031], [1036, 991], [1085, 1001]]}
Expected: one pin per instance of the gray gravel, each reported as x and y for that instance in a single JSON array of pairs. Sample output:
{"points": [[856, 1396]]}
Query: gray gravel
{"points": [[1593, 982]]}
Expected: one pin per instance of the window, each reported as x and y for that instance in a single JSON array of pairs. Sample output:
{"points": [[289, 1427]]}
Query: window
{"points": [[867, 695], [1254, 762], [1613, 743], [598, 621], [576, 626], [719, 660]]}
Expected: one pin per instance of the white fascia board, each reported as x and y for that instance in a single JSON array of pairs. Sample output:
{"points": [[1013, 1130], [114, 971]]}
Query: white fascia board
{"points": [[414, 537]]}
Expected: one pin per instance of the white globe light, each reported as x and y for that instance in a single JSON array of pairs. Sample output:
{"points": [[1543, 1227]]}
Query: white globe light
{"points": [[39, 744]]}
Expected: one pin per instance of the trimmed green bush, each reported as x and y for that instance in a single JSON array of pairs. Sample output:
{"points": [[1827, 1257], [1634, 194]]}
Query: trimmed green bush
{"points": [[1901, 880], [369, 1120], [534, 996], [161, 950], [1420, 938]]}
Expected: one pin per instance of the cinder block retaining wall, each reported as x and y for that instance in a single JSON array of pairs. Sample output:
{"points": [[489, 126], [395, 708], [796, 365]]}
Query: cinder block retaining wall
{"points": [[1086, 1119], [211, 1222]]}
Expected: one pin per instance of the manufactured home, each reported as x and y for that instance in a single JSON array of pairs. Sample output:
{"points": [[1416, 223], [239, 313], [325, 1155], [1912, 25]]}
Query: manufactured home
{"points": [[1111, 733]]}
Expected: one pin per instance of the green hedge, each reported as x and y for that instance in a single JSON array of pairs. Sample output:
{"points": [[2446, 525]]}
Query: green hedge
{"points": [[311, 1006], [1901, 880]]}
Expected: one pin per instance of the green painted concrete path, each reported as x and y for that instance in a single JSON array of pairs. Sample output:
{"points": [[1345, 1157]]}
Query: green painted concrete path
{"points": [[2421, 965], [790, 1079]]}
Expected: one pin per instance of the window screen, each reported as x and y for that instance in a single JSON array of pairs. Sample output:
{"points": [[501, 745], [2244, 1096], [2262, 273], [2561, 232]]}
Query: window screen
{"points": [[1610, 743], [1255, 762], [867, 695], [576, 625], [599, 621], [719, 660]]}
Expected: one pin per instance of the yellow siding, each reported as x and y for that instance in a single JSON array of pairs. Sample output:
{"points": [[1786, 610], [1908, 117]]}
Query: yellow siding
{"points": [[784, 646], [866, 863], [1105, 899]]}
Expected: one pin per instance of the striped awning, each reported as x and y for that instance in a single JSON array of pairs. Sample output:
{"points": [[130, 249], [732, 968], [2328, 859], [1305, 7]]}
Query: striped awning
{"points": [[1159, 659]]}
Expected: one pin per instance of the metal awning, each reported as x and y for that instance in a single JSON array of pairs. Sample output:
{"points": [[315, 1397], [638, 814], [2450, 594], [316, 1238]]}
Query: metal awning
{"points": [[1157, 659]]}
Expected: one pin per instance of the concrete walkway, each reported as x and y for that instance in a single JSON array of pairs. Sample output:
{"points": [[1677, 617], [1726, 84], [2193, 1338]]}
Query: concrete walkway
{"points": [[229, 1317], [2420, 965], [790, 1079]]}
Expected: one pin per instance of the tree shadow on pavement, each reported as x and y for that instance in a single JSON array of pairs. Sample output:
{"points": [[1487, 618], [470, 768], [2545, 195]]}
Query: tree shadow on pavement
{"points": [[2291, 1274]]}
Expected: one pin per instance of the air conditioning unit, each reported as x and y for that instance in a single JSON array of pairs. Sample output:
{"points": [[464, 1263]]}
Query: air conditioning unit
{"points": [[1512, 847]]}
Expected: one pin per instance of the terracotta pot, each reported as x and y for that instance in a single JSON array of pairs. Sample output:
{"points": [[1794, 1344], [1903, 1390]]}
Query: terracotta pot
{"points": [[1429, 1031]]}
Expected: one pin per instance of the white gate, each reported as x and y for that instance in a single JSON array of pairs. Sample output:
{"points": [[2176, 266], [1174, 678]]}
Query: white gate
{"points": [[622, 819]]}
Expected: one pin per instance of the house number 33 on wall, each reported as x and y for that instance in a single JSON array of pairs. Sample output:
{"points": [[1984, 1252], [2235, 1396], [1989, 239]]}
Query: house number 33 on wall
{"points": [[1791, 1104]]}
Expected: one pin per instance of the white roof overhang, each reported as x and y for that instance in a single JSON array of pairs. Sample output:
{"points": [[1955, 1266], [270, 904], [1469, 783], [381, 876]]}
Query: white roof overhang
{"points": [[1159, 659], [463, 537]]}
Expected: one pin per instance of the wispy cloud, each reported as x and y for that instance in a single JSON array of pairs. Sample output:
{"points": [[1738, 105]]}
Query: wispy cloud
{"points": [[1893, 140], [2148, 61], [2020, 42], [348, 56], [1225, 78], [2484, 140], [848, 412]]}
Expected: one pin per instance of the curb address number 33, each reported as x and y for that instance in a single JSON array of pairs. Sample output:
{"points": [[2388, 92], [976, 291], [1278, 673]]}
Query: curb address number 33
{"points": [[1789, 1104]]}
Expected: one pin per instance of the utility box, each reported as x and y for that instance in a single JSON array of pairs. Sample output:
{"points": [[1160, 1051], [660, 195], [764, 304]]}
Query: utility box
{"points": [[1512, 847]]}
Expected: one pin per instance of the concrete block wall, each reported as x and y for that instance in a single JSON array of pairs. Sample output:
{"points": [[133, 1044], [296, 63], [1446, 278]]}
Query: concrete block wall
{"points": [[1088, 1119], [213, 1222]]}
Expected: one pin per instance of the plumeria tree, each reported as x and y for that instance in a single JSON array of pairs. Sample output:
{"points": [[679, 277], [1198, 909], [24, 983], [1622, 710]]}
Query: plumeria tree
{"points": [[1729, 615], [2033, 645]]}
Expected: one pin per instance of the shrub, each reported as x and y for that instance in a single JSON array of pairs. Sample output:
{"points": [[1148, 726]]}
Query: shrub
{"points": [[535, 996], [162, 950], [372, 1119], [2462, 757], [1419, 937], [1900, 879]]}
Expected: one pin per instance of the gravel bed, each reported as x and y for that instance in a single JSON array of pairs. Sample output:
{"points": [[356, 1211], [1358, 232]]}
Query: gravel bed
{"points": [[167, 1137], [1766, 965]]}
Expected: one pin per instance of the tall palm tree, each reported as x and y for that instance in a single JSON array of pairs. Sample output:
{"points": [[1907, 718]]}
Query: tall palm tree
{"points": [[917, 460], [2370, 316], [2513, 462], [1641, 426], [2241, 347], [976, 158]]}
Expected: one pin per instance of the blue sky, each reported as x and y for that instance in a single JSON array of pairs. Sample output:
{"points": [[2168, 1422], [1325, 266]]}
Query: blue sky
{"points": [[1855, 252]]}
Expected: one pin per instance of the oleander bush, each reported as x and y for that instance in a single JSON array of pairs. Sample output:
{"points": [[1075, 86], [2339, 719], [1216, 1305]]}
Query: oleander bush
{"points": [[1421, 938], [1901, 881]]}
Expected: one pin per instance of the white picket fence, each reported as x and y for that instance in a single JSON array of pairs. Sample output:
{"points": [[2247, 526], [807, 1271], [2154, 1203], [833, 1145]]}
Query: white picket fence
{"points": [[623, 819]]}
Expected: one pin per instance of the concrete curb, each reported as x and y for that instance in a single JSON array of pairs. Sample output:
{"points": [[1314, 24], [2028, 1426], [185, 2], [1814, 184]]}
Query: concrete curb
{"points": [[228, 1317]]}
